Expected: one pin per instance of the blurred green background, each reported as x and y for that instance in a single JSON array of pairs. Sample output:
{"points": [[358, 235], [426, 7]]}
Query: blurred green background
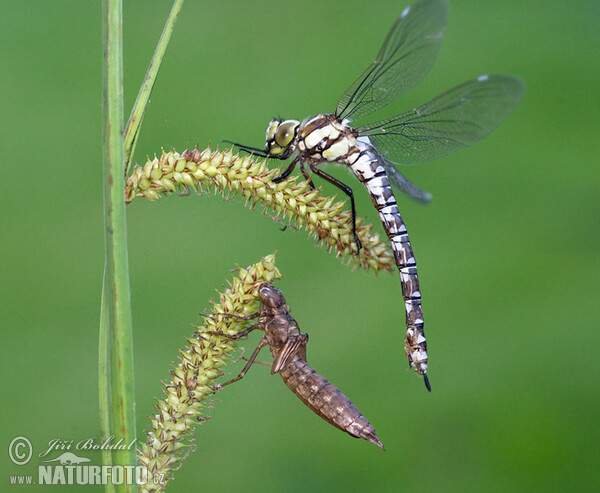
{"points": [[508, 250]]}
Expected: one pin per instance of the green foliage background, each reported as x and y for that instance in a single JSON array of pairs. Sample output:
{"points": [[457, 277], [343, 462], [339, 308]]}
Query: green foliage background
{"points": [[508, 250]]}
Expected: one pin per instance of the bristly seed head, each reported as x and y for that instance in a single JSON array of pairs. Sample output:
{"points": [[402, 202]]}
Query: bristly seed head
{"points": [[192, 379], [202, 171]]}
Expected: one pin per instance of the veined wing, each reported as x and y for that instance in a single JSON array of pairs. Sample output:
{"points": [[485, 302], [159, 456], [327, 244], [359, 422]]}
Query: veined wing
{"points": [[407, 54], [399, 181], [456, 119]]}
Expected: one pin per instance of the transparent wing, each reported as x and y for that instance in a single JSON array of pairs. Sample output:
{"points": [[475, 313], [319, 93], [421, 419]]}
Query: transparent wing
{"points": [[456, 119], [407, 54], [400, 182]]}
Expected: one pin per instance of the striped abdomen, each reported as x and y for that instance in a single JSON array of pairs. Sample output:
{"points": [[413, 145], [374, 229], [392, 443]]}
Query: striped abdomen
{"points": [[326, 400], [368, 170]]}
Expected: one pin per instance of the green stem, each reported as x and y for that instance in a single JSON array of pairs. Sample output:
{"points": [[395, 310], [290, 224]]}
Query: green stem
{"points": [[139, 108], [117, 298], [104, 379]]}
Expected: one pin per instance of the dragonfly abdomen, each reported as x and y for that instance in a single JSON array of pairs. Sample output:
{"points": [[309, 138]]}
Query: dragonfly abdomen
{"points": [[369, 171], [326, 400]]}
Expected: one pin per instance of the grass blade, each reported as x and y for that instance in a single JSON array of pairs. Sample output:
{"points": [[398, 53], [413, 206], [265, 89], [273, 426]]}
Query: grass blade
{"points": [[139, 108]]}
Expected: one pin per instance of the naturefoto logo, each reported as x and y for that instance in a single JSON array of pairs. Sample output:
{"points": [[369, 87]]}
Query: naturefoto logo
{"points": [[68, 469], [71, 468], [69, 459]]}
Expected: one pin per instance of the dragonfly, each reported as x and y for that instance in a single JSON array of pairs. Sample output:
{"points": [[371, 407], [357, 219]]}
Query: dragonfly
{"points": [[288, 347], [458, 118]]}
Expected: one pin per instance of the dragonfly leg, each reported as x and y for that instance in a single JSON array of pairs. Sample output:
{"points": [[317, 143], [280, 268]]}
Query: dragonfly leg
{"points": [[263, 342], [348, 191], [307, 176], [239, 335], [230, 315], [258, 362], [287, 171]]}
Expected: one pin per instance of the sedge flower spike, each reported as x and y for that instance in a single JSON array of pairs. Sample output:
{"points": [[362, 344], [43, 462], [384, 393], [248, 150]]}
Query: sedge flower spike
{"points": [[327, 220], [193, 377]]}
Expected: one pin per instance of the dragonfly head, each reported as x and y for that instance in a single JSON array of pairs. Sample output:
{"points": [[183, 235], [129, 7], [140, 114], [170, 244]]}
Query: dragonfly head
{"points": [[270, 296], [281, 137]]}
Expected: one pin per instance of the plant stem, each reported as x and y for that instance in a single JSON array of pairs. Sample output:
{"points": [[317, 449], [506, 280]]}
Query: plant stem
{"points": [[104, 379], [116, 295]]}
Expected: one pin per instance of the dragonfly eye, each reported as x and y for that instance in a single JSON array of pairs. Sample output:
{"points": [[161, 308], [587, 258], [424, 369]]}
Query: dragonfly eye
{"points": [[286, 132], [271, 129], [280, 136]]}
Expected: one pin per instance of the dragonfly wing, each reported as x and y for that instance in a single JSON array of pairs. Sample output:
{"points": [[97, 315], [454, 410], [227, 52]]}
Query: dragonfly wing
{"points": [[295, 344], [456, 119], [407, 54], [400, 182]]}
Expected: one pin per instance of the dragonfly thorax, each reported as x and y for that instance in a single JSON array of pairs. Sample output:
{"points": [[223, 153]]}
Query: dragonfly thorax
{"points": [[327, 138], [281, 137]]}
